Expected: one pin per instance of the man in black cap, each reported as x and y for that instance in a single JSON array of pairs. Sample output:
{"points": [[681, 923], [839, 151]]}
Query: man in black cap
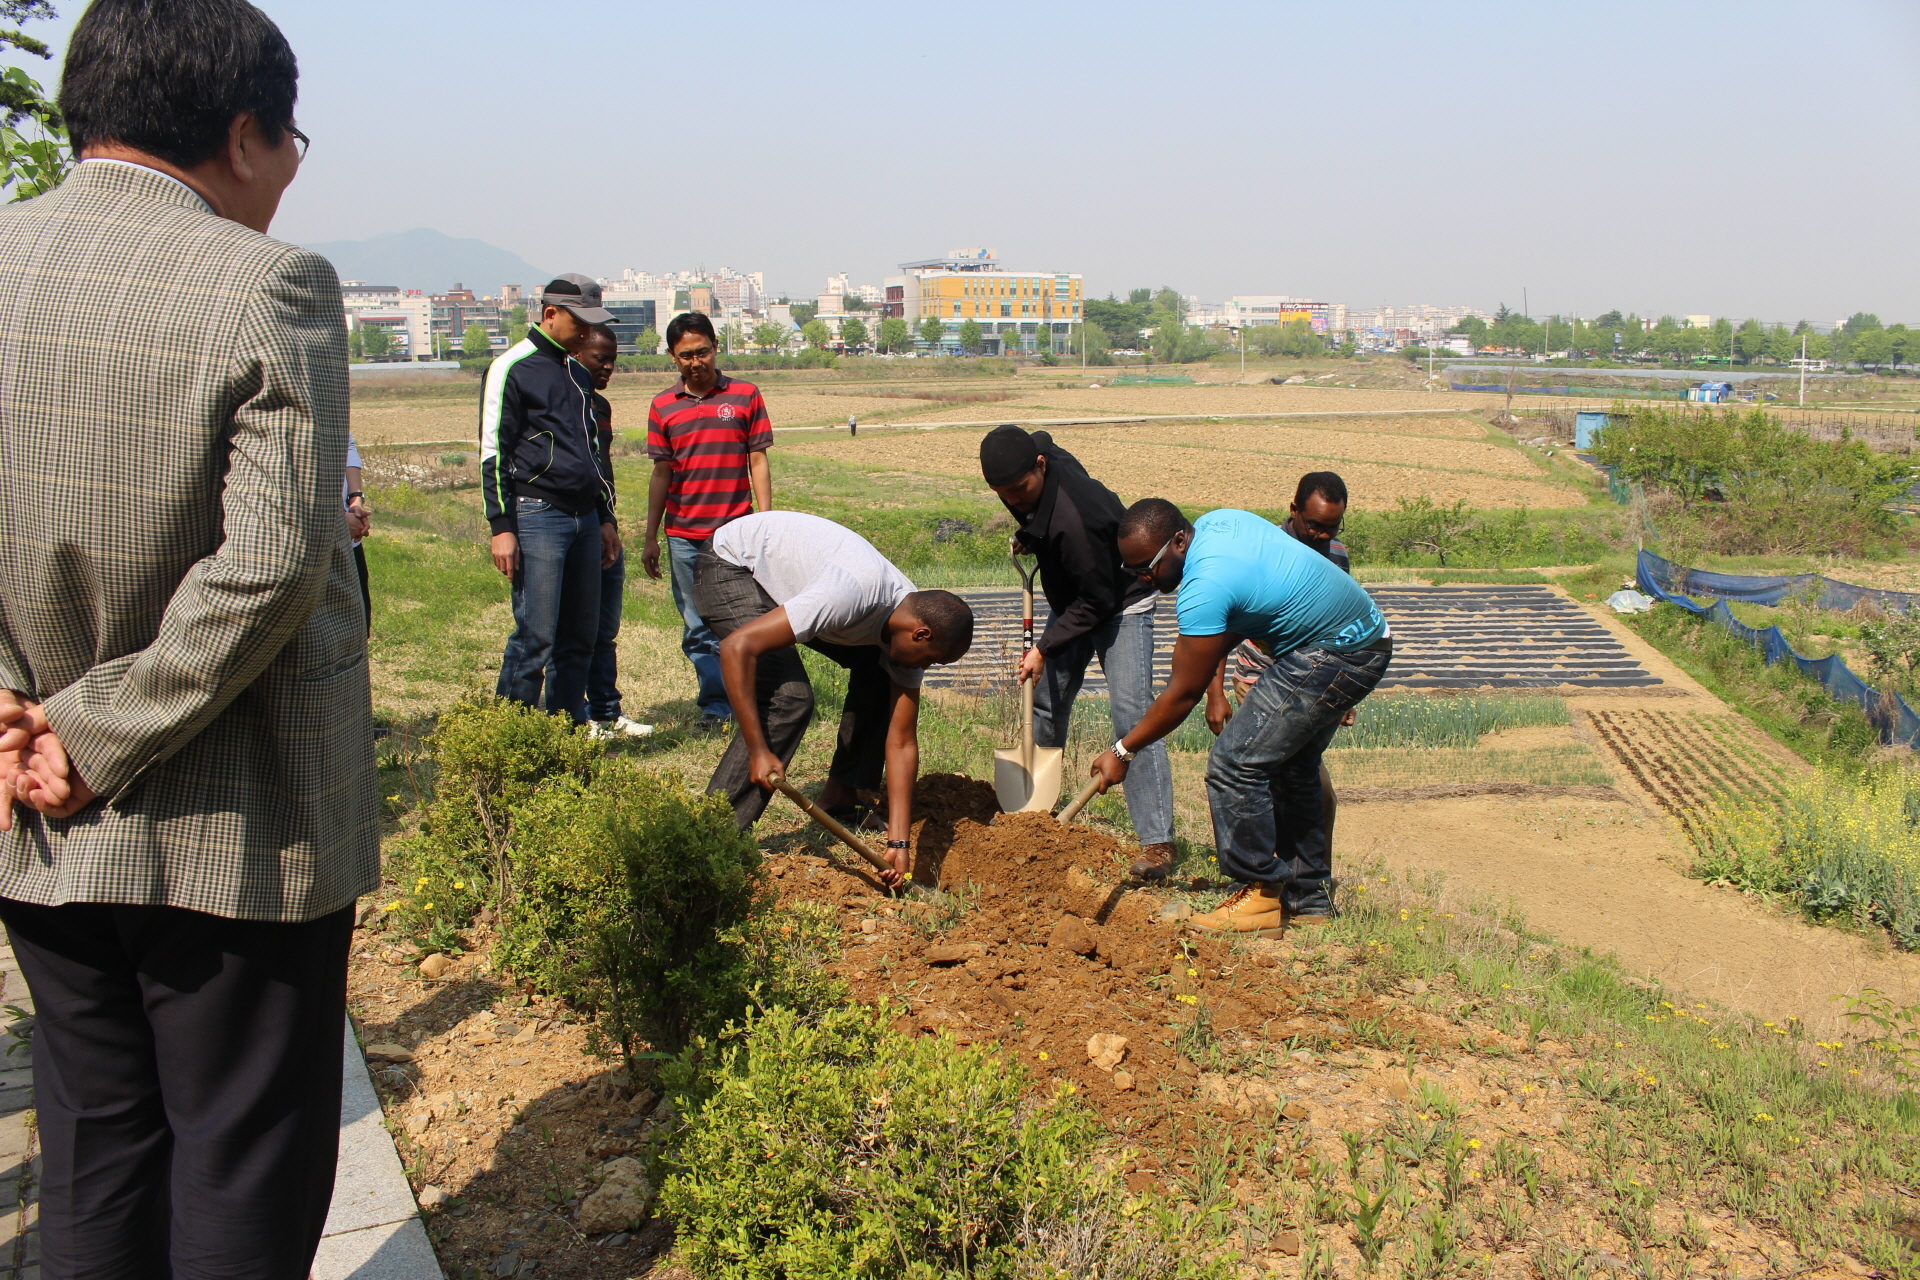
{"points": [[1069, 520], [547, 499]]}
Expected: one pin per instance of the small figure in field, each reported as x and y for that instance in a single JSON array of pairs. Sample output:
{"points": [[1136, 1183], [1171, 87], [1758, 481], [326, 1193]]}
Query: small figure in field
{"points": [[1069, 521], [1241, 578], [1319, 505], [768, 582]]}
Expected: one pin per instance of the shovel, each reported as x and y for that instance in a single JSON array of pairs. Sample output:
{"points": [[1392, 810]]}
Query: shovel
{"points": [[832, 824], [1026, 778], [1072, 811]]}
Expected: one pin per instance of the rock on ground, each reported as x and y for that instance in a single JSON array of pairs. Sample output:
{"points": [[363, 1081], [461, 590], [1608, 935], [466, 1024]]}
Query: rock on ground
{"points": [[624, 1199]]}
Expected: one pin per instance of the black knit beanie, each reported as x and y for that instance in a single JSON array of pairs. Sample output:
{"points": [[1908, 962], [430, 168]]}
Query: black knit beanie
{"points": [[1006, 454]]}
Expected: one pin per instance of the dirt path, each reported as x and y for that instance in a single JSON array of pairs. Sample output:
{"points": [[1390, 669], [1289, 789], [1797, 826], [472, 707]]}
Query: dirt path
{"points": [[1611, 877], [1608, 876]]}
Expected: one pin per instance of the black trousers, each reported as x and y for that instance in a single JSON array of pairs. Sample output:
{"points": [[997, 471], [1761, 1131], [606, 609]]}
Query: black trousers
{"points": [[727, 598], [186, 1074]]}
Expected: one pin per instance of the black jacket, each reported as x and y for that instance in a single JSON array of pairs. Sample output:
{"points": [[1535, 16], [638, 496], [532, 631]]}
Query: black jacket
{"points": [[1072, 530], [538, 438], [603, 434]]}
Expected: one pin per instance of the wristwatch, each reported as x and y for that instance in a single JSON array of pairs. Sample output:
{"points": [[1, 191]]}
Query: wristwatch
{"points": [[1120, 751], [355, 494], [899, 844]]}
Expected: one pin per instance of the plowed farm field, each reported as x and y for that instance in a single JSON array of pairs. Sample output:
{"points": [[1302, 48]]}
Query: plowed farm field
{"points": [[1687, 760], [1250, 464]]}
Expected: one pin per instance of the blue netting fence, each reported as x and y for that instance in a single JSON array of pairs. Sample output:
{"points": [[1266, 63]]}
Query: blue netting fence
{"points": [[1673, 583]]}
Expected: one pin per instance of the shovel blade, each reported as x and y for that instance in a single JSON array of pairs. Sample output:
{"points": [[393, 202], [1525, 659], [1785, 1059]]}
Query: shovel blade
{"points": [[1021, 790]]}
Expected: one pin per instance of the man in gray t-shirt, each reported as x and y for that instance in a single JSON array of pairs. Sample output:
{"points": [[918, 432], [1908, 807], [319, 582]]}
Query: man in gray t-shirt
{"points": [[768, 582]]}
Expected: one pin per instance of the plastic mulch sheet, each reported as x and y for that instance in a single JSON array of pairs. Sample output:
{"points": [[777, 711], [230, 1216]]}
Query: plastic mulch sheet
{"points": [[1673, 583]]}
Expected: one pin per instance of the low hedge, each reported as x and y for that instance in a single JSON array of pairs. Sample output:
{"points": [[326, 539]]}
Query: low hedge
{"points": [[838, 1147]]}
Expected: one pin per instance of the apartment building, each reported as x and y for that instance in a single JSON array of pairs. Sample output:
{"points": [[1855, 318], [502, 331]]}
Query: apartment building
{"points": [[457, 308], [971, 284], [406, 315]]}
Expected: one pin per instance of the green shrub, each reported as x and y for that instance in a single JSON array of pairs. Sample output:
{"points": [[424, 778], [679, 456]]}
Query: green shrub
{"points": [[1419, 531], [492, 755], [635, 901], [1744, 482], [843, 1149]]}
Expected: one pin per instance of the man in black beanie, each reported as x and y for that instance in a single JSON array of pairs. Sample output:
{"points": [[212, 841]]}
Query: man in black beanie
{"points": [[1068, 519]]}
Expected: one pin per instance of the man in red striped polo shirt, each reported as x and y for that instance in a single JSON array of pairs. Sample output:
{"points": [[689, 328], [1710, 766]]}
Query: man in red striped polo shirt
{"points": [[707, 435]]}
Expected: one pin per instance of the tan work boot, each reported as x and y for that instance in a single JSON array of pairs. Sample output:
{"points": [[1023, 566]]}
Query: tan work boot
{"points": [[1154, 862], [1253, 909]]}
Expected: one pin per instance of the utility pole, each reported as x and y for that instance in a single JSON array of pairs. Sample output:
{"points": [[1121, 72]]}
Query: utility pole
{"points": [[1243, 353], [1803, 371]]}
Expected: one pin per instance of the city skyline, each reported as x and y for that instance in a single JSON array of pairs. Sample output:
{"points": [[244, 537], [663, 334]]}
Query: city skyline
{"points": [[1721, 158]]}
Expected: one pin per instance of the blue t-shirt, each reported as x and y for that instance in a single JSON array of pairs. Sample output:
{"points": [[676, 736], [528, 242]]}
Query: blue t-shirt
{"points": [[1250, 578]]}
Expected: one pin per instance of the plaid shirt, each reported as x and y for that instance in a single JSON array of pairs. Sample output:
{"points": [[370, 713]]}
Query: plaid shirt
{"points": [[176, 579]]}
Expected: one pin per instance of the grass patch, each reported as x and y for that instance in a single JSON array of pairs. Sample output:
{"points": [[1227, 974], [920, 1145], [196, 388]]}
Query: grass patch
{"points": [[1417, 721], [1572, 765]]}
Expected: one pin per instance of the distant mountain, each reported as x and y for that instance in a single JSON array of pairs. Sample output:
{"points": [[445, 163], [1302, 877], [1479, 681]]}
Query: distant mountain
{"points": [[430, 261]]}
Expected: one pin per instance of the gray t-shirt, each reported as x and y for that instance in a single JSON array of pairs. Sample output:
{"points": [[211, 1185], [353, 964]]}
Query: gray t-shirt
{"points": [[834, 586]]}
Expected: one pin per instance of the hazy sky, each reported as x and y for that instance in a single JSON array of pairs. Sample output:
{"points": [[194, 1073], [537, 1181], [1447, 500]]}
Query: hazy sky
{"points": [[1743, 158]]}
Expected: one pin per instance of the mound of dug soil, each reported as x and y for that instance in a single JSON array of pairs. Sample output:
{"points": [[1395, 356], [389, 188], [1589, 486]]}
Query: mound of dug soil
{"points": [[1061, 964]]}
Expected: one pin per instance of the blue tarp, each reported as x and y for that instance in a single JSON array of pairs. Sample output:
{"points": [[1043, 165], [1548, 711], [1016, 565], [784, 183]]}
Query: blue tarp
{"points": [[1817, 590], [1664, 580]]}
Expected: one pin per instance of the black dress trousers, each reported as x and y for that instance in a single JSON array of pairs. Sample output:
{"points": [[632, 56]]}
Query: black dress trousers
{"points": [[186, 1076]]}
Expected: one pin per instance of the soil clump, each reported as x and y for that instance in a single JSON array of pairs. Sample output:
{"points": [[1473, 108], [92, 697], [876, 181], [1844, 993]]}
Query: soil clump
{"points": [[1035, 942]]}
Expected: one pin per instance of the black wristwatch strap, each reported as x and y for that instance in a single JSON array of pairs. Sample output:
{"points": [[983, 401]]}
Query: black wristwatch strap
{"points": [[357, 493], [898, 844]]}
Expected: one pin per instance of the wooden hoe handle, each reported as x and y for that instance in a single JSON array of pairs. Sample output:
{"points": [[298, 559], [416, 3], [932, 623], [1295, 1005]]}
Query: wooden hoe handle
{"points": [[832, 824], [1079, 802]]}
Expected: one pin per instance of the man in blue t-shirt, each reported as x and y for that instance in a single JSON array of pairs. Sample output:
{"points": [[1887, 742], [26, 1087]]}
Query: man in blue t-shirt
{"points": [[1241, 578]]}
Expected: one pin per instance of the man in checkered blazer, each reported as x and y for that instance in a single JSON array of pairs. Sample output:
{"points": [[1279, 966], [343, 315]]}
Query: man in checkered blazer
{"points": [[189, 743]]}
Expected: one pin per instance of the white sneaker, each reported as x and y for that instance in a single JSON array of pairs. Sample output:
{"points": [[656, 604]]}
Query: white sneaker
{"points": [[620, 727]]}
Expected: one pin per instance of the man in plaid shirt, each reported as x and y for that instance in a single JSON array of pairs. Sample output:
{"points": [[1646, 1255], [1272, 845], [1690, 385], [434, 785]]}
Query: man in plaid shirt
{"points": [[190, 808]]}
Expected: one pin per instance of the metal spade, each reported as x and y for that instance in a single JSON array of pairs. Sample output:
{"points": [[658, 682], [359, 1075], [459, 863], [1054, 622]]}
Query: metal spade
{"points": [[1025, 777]]}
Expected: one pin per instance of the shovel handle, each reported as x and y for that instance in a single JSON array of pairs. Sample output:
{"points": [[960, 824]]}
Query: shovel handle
{"points": [[831, 823], [1079, 802]]}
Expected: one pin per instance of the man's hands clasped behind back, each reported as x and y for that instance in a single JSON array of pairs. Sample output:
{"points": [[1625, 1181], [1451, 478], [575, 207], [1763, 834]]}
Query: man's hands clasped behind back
{"points": [[34, 767]]}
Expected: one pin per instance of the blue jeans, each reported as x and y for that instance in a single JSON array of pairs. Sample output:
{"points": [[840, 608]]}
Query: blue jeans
{"points": [[1263, 775], [698, 642], [556, 607], [1125, 646], [603, 668]]}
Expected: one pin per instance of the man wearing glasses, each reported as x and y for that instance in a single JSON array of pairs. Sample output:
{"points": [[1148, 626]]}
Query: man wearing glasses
{"points": [[1319, 506], [188, 804], [1241, 578], [708, 436]]}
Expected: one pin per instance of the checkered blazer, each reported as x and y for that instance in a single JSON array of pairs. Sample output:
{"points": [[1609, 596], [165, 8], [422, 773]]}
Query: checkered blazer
{"points": [[176, 580]]}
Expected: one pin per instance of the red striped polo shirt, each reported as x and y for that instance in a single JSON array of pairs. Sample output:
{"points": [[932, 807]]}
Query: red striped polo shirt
{"points": [[707, 438]]}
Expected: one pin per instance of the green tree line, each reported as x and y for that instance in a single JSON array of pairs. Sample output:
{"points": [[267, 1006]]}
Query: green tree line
{"points": [[1862, 340]]}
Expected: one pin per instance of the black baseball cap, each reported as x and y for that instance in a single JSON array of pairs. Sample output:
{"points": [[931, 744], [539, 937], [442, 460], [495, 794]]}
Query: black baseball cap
{"points": [[578, 294]]}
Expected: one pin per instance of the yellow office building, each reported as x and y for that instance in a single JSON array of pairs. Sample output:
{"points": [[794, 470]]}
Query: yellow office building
{"points": [[1009, 306]]}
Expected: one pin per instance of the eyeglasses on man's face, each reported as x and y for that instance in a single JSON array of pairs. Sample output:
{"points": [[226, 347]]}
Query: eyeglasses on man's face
{"points": [[300, 141], [1146, 570]]}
